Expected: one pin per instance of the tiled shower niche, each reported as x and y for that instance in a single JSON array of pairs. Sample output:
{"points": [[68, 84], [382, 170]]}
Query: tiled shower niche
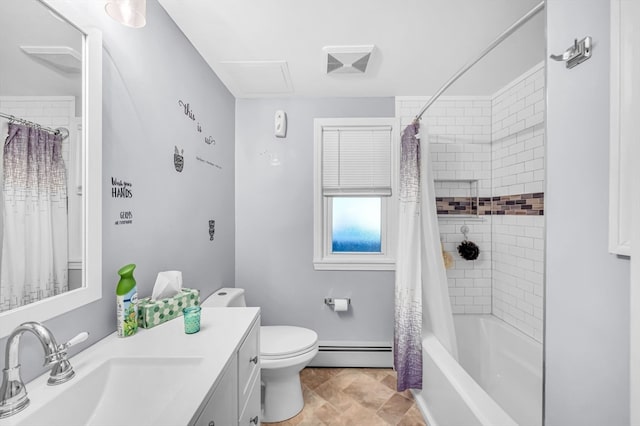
{"points": [[457, 197]]}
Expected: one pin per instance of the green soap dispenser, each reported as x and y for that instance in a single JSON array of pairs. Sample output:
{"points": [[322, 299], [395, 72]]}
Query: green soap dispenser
{"points": [[127, 302]]}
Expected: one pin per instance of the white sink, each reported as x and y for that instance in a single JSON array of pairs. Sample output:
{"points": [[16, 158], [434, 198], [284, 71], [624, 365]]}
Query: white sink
{"points": [[119, 391]]}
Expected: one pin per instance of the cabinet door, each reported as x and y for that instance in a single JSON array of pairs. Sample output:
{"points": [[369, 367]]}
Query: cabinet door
{"points": [[251, 413], [248, 362], [222, 408]]}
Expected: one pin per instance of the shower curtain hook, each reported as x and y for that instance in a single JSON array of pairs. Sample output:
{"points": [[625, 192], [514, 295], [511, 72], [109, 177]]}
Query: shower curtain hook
{"points": [[465, 230]]}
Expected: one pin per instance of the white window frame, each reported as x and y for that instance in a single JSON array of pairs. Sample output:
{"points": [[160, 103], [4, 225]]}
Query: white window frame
{"points": [[323, 257]]}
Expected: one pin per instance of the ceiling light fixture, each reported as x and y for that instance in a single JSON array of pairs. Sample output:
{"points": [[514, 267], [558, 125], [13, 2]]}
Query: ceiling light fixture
{"points": [[131, 13]]}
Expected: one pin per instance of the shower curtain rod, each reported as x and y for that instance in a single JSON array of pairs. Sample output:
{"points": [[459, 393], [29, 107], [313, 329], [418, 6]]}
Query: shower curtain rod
{"points": [[15, 119], [482, 54]]}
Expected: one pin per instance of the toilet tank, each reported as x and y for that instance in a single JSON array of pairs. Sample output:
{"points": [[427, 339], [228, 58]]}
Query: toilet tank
{"points": [[225, 297]]}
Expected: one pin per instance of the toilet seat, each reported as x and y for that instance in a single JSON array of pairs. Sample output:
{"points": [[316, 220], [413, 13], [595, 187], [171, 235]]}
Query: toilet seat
{"points": [[282, 342]]}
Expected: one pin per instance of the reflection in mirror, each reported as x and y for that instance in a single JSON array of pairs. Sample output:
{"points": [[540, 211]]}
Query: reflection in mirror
{"points": [[50, 119], [40, 91]]}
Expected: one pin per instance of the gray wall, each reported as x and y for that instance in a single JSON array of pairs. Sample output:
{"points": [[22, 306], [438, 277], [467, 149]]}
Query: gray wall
{"points": [[587, 289], [145, 73], [274, 225]]}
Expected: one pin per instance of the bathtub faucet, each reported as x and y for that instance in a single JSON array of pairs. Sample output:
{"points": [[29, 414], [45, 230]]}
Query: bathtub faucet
{"points": [[13, 394]]}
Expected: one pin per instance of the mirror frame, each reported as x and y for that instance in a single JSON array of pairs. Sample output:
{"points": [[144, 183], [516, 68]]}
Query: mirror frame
{"points": [[91, 289]]}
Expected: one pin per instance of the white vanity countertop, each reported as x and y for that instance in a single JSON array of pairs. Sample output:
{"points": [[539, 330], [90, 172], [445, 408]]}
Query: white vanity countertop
{"points": [[221, 332]]}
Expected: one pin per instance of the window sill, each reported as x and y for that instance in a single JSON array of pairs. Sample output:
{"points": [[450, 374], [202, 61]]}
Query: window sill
{"points": [[333, 265], [75, 264]]}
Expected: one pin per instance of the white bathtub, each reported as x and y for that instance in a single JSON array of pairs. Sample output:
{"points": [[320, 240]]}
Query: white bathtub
{"points": [[500, 384]]}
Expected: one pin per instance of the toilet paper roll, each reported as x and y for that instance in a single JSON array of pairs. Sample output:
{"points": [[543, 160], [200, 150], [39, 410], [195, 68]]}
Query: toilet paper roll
{"points": [[340, 305]]}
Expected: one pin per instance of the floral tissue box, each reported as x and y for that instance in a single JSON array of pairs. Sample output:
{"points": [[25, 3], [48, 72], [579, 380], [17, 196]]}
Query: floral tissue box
{"points": [[155, 312]]}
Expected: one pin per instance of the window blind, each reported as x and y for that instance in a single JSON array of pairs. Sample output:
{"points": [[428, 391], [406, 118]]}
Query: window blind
{"points": [[356, 161]]}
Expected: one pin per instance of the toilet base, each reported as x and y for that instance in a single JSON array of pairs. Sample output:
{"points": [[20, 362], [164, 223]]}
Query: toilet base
{"points": [[282, 397]]}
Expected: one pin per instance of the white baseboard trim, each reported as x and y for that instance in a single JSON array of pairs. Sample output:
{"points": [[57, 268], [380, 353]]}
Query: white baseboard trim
{"points": [[353, 354]]}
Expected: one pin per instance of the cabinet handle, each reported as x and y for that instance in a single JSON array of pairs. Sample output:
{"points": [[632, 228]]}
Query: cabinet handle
{"points": [[254, 420], [254, 359]]}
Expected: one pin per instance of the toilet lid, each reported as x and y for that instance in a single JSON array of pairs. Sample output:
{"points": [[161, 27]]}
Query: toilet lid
{"points": [[286, 341]]}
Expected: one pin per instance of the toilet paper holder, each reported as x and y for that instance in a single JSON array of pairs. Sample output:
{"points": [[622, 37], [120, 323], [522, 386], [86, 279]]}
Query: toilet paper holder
{"points": [[331, 301]]}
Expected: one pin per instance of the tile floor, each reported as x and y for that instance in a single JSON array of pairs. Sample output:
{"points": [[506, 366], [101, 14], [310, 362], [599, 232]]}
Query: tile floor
{"points": [[353, 397]]}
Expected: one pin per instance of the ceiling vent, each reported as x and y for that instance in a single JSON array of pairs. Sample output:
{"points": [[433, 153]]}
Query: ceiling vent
{"points": [[347, 59], [64, 58], [257, 78]]}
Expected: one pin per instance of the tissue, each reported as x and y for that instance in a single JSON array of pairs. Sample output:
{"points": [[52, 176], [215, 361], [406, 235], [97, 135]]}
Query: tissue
{"points": [[168, 284]]}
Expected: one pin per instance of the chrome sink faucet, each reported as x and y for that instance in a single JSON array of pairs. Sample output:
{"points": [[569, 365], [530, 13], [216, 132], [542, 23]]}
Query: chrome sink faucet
{"points": [[13, 394]]}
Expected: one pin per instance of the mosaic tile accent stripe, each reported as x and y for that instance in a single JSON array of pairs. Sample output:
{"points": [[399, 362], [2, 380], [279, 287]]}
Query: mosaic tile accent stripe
{"points": [[456, 205], [518, 204]]}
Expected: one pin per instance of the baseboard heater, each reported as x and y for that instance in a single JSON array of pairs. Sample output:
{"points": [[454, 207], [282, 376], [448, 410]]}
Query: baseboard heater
{"points": [[353, 354]]}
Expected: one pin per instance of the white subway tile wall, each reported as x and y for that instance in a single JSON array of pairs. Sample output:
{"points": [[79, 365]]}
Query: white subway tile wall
{"points": [[499, 141], [518, 164], [518, 271], [518, 135], [469, 281]]}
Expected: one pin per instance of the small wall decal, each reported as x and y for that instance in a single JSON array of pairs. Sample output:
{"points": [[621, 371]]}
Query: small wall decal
{"points": [[217, 166], [121, 188], [212, 229], [126, 218], [187, 110], [178, 159]]}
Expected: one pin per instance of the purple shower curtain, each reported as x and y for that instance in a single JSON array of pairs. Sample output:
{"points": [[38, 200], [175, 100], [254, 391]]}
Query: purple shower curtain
{"points": [[408, 293], [421, 280], [34, 238]]}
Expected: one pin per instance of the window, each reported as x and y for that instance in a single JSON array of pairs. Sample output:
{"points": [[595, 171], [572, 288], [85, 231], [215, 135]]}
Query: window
{"points": [[355, 193], [355, 225]]}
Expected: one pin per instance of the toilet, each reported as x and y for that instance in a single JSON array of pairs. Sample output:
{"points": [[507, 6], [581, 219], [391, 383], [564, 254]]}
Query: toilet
{"points": [[284, 352]]}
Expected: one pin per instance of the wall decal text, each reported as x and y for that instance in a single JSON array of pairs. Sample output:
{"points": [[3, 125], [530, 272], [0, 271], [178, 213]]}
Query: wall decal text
{"points": [[121, 188], [126, 218], [209, 163], [188, 112]]}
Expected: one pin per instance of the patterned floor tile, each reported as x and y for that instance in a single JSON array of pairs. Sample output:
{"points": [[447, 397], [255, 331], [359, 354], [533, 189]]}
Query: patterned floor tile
{"points": [[353, 397]]}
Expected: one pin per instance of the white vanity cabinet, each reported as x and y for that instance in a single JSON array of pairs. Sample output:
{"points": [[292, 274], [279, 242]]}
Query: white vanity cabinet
{"points": [[249, 378], [221, 408], [209, 378], [236, 398]]}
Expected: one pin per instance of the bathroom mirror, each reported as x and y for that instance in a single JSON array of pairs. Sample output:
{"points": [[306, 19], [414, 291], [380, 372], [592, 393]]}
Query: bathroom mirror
{"points": [[47, 72]]}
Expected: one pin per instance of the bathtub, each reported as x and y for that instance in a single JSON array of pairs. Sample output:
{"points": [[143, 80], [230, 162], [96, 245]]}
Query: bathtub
{"points": [[497, 383]]}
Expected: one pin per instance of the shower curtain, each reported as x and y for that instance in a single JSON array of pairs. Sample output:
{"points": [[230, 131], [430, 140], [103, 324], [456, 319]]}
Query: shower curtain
{"points": [[421, 280], [34, 243]]}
